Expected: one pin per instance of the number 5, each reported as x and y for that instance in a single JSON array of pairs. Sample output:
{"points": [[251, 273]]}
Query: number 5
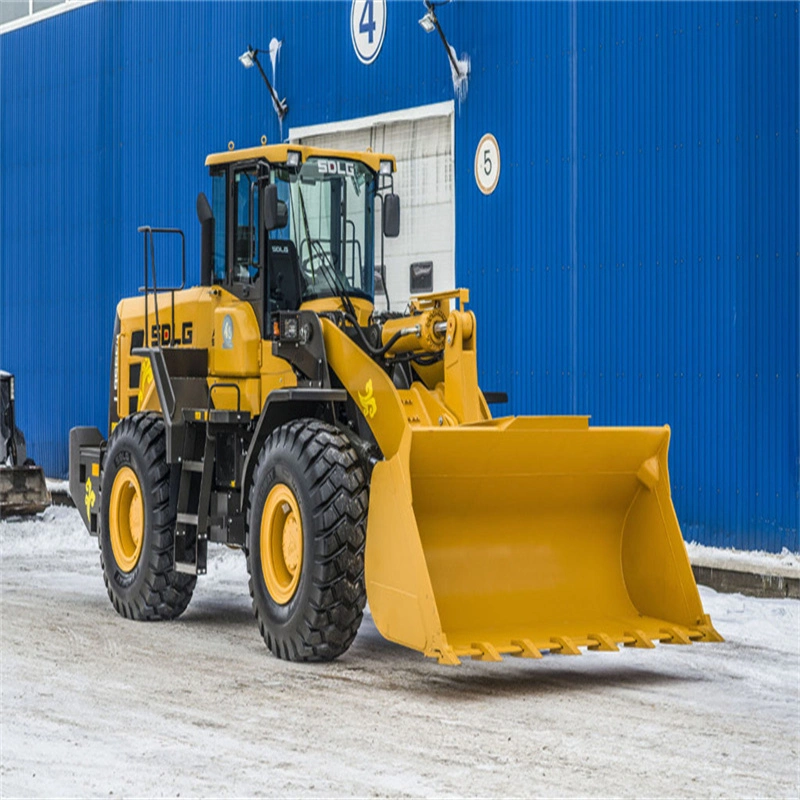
{"points": [[487, 162]]}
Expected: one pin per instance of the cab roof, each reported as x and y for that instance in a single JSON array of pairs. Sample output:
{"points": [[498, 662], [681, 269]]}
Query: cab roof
{"points": [[276, 154]]}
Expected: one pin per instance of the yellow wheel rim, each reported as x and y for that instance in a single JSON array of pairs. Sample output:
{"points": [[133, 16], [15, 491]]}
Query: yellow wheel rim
{"points": [[281, 543], [126, 519]]}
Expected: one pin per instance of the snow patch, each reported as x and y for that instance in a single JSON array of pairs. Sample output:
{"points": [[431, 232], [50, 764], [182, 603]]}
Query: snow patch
{"points": [[459, 71], [56, 528], [56, 485], [274, 51], [274, 54], [785, 564]]}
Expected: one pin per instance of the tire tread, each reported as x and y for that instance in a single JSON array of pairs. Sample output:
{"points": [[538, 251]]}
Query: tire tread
{"points": [[166, 593], [336, 483]]}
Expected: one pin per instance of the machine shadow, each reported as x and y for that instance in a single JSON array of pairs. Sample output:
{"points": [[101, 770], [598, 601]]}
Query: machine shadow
{"points": [[473, 681], [218, 614]]}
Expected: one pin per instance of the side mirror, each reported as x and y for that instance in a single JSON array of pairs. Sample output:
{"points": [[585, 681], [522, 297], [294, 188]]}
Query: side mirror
{"points": [[204, 213], [269, 208], [283, 214], [391, 216]]}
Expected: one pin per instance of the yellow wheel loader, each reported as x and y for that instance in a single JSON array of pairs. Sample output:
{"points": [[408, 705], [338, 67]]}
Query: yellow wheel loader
{"points": [[350, 452]]}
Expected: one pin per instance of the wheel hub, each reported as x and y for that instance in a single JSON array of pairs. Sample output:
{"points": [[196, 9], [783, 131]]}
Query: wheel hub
{"points": [[281, 543], [126, 519]]}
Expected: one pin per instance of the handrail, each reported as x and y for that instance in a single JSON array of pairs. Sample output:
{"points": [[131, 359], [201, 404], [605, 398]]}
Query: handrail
{"points": [[225, 385], [149, 232]]}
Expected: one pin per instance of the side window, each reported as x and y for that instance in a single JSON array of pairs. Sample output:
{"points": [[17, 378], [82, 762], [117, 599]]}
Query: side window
{"points": [[246, 244], [218, 209]]}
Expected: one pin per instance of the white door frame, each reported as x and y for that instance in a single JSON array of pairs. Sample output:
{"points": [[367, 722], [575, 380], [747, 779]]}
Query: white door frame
{"points": [[446, 109]]}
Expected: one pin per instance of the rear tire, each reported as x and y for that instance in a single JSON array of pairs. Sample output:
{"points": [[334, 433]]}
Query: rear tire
{"points": [[306, 535], [137, 524]]}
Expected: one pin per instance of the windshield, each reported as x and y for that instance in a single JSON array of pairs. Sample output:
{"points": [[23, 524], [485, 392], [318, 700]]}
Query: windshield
{"points": [[331, 224]]}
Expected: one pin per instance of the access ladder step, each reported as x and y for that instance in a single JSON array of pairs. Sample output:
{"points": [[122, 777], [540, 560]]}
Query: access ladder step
{"points": [[190, 553], [192, 466], [219, 418], [187, 519], [189, 569]]}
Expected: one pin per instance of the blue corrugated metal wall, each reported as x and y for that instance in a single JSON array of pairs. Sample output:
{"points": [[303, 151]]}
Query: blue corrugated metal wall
{"points": [[638, 260]]}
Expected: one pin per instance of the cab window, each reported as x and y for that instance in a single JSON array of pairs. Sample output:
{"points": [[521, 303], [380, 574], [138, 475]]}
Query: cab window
{"points": [[245, 253]]}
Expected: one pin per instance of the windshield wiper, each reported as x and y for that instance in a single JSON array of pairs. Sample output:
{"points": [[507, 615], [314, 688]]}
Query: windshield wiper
{"points": [[329, 272], [333, 277], [308, 232]]}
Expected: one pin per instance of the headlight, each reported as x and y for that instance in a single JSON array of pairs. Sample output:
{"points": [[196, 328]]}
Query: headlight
{"points": [[290, 331]]}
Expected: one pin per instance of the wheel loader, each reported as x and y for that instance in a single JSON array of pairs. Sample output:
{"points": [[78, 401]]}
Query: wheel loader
{"points": [[350, 453], [23, 489]]}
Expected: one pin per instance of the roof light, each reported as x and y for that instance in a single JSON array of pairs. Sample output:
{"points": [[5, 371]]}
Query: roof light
{"points": [[385, 168], [293, 158]]}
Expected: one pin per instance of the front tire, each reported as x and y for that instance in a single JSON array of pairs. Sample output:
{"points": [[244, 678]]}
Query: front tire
{"points": [[307, 530], [137, 524]]}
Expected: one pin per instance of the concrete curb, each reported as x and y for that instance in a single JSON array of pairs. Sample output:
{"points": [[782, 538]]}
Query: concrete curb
{"points": [[755, 584]]}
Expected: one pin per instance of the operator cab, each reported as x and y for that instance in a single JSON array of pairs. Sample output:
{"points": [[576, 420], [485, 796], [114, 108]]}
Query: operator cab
{"points": [[288, 226]]}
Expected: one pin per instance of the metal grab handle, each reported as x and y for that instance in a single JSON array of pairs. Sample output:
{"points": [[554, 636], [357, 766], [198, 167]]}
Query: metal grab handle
{"points": [[148, 231]]}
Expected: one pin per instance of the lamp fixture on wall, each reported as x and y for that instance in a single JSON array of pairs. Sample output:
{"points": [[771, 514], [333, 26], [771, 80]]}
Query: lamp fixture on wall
{"points": [[430, 23], [250, 57]]}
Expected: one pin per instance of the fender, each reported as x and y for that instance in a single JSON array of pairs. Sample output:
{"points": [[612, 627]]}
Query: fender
{"points": [[282, 406]]}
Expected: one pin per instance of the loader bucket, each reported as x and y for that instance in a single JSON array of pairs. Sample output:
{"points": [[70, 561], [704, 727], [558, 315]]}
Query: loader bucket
{"points": [[22, 491], [527, 534]]}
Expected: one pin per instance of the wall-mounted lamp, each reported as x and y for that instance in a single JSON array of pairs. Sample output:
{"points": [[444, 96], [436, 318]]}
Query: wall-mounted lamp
{"points": [[250, 57], [429, 23]]}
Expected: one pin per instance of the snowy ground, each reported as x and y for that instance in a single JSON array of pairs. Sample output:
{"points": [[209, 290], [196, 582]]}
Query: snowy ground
{"points": [[94, 705]]}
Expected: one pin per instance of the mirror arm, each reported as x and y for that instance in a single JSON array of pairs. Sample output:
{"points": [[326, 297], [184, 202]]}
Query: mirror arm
{"points": [[383, 265]]}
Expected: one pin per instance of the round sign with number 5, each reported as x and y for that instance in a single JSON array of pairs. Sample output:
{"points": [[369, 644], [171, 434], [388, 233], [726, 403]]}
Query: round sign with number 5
{"points": [[367, 28], [487, 164]]}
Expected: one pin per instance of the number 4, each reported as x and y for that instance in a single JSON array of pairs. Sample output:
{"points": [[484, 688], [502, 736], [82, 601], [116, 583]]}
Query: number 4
{"points": [[367, 26]]}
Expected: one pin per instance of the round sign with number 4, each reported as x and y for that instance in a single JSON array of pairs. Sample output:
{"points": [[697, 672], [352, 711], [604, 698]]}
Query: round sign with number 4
{"points": [[367, 28], [487, 164]]}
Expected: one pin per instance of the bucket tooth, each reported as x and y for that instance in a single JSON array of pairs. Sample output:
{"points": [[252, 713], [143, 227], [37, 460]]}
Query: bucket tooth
{"points": [[603, 643], [448, 657], [706, 630], [638, 639], [527, 649], [488, 652], [564, 646], [673, 635]]}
